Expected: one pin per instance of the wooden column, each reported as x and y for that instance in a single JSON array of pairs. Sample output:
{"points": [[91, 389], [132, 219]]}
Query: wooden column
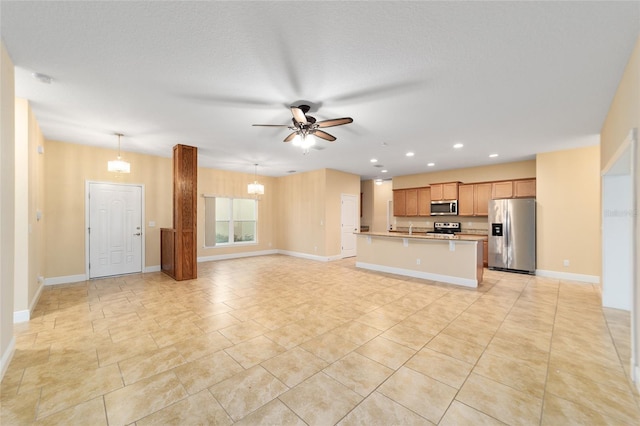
{"points": [[185, 199]]}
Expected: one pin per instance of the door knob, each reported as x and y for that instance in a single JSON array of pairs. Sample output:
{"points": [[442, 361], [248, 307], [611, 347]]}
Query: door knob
{"points": [[138, 234]]}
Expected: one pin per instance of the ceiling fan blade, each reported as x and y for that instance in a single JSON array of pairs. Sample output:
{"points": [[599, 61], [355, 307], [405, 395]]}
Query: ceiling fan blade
{"points": [[290, 137], [324, 135], [272, 125], [298, 115], [335, 122]]}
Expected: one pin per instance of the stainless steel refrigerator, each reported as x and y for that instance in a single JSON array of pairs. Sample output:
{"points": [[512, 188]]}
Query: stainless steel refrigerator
{"points": [[512, 235]]}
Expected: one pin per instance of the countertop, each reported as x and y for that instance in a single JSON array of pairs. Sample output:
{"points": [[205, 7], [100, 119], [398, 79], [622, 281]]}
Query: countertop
{"points": [[422, 235]]}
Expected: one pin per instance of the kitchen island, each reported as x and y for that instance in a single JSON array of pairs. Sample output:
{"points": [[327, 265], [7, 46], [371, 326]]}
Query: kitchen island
{"points": [[454, 261]]}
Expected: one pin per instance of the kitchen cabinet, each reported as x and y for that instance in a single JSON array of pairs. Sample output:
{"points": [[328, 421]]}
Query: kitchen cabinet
{"points": [[444, 191], [411, 202], [473, 199], [399, 202], [524, 188], [502, 189], [424, 201], [485, 253]]}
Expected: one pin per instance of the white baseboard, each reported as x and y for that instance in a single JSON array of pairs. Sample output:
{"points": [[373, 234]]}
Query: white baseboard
{"points": [[25, 315], [7, 356], [591, 279], [236, 255], [466, 282], [155, 268], [68, 279]]}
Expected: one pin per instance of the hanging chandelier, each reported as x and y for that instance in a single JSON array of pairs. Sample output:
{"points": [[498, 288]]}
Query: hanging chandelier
{"points": [[119, 165], [255, 188]]}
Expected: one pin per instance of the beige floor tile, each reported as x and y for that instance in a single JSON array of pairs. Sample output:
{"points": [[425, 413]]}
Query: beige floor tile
{"points": [[358, 373], [456, 348], [607, 400], [386, 352], [216, 322], [294, 366], [461, 414], [79, 388], [199, 409], [441, 367], [520, 375], [253, 351], [203, 345], [273, 413], [411, 389], [558, 411], [111, 353], [320, 400], [142, 398], [19, 409], [518, 351], [175, 334], [290, 335], [89, 413], [356, 332], [408, 336], [247, 391], [582, 365], [207, 371], [463, 330], [61, 367], [330, 347], [243, 331], [377, 409], [149, 364], [502, 402]]}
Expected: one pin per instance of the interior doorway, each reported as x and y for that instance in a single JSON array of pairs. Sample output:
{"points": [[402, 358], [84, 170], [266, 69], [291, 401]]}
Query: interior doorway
{"points": [[115, 240], [349, 225], [619, 240]]}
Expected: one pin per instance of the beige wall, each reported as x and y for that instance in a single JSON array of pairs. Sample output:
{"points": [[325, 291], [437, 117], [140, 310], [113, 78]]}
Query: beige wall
{"points": [[7, 200], [29, 199], [504, 171], [624, 115], [375, 201], [234, 185], [568, 211]]}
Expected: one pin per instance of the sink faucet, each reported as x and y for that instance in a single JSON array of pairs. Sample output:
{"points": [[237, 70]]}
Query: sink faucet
{"points": [[410, 228]]}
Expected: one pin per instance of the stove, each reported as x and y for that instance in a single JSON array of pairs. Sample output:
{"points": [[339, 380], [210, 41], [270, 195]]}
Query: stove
{"points": [[445, 230]]}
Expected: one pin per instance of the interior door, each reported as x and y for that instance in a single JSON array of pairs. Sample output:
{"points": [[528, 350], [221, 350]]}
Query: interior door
{"points": [[115, 229], [350, 224]]}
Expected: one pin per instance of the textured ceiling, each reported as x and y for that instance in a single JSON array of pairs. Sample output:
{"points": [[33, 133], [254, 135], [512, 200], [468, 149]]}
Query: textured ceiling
{"points": [[514, 78]]}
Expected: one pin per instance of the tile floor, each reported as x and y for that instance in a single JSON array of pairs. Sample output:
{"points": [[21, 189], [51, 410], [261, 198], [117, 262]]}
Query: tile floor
{"points": [[281, 340]]}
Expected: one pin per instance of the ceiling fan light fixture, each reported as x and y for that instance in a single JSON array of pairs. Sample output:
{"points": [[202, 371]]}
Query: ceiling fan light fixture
{"points": [[119, 165]]}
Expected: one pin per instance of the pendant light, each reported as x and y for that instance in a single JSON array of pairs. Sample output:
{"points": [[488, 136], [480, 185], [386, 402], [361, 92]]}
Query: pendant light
{"points": [[255, 188], [119, 165]]}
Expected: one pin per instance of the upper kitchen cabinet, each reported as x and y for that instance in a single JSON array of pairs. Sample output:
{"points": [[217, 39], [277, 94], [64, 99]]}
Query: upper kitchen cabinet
{"points": [[411, 202], [399, 202], [424, 201], [524, 188], [444, 191], [473, 199], [521, 188]]}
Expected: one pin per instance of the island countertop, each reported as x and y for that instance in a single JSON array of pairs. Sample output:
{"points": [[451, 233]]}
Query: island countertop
{"points": [[449, 260]]}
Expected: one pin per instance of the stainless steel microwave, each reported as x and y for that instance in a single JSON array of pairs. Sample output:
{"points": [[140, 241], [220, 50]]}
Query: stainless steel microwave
{"points": [[444, 208]]}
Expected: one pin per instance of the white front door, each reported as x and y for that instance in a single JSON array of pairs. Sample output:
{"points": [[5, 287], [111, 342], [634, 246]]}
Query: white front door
{"points": [[115, 229], [350, 219]]}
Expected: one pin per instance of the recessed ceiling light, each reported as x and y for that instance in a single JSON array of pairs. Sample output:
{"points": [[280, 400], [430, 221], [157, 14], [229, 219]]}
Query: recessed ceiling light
{"points": [[374, 160], [383, 171], [410, 154], [458, 146], [493, 155], [431, 164]]}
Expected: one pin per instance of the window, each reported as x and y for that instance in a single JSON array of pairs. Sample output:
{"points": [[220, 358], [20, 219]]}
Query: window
{"points": [[229, 221]]}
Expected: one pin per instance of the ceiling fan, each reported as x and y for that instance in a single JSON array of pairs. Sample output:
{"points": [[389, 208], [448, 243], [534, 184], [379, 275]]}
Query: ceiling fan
{"points": [[304, 125]]}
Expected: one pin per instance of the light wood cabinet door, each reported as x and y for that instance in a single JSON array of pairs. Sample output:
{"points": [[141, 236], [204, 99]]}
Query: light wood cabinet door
{"points": [[481, 197], [502, 189], [466, 200], [485, 253], [450, 191], [436, 192], [411, 202], [524, 188], [399, 202], [424, 201]]}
